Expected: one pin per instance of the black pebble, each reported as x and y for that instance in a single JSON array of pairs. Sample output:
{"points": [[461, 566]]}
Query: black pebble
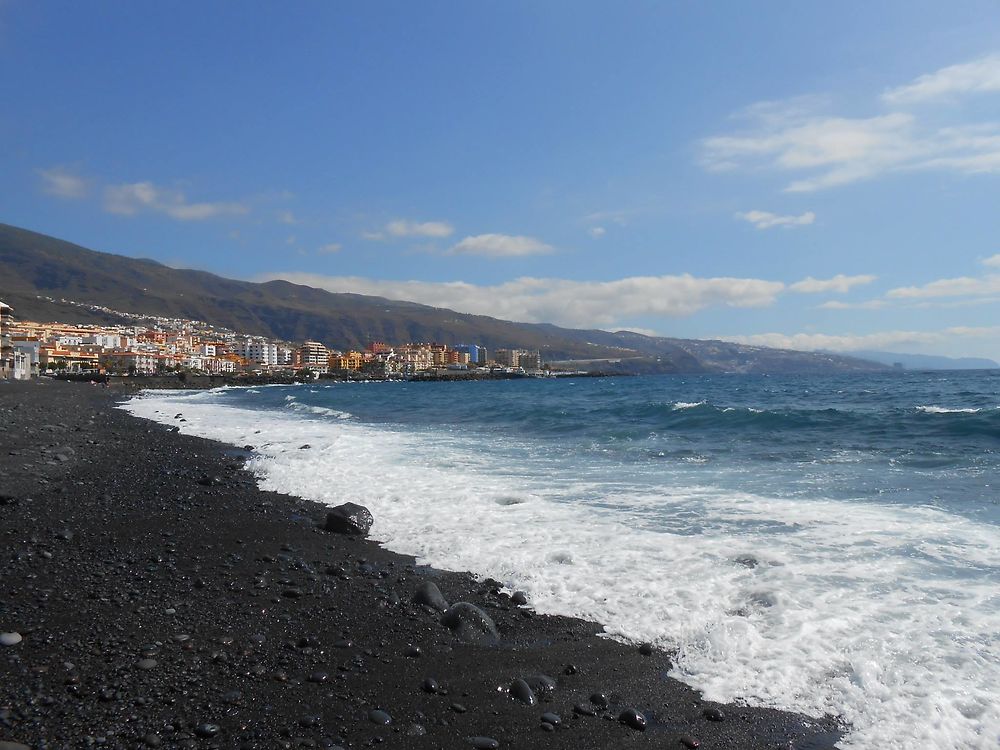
{"points": [[430, 685], [483, 743], [632, 718], [584, 710], [520, 691], [551, 718], [713, 714], [688, 741], [646, 649], [378, 716], [206, 730], [429, 595], [599, 699], [519, 598], [541, 683]]}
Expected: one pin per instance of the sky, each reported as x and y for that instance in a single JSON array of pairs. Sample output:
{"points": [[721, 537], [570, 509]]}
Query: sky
{"points": [[800, 174]]}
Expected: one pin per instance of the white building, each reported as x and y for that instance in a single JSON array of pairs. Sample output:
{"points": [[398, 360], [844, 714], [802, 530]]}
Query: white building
{"points": [[260, 351], [105, 341]]}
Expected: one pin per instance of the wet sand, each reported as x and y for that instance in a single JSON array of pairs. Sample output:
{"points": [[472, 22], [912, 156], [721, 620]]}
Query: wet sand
{"points": [[162, 600]]}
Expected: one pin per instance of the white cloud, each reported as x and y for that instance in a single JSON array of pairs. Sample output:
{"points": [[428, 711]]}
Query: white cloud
{"points": [[839, 283], [287, 217], [585, 304], [889, 340], [836, 150], [963, 286], [500, 246], [597, 232], [767, 220], [133, 198], [403, 228], [992, 262], [978, 76], [799, 136], [872, 304], [330, 249], [617, 216], [62, 183]]}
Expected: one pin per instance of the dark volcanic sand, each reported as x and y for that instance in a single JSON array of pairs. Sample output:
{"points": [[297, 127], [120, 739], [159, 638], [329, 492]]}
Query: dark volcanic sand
{"points": [[159, 611]]}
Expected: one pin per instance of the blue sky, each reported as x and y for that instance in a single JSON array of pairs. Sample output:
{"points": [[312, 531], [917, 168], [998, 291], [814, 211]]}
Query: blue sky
{"points": [[815, 175]]}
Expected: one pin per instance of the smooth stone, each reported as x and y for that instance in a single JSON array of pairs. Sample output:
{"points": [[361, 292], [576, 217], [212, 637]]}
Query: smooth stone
{"points": [[521, 692], [692, 742], [458, 708], [349, 518], [318, 677], [600, 700], [646, 649], [632, 718], [469, 623], [429, 595], [207, 730], [152, 740], [584, 710], [747, 561], [713, 714], [10, 639], [378, 716], [430, 685], [546, 727], [541, 683], [483, 743], [519, 598], [412, 652], [551, 718], [146, 663]]}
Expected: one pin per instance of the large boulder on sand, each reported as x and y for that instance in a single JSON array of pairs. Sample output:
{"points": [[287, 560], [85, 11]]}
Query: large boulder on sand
{"points": [[349, 518], [470, 623]]}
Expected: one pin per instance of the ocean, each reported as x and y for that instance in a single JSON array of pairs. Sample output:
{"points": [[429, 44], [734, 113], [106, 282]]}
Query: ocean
{"points": [[825, 544]]}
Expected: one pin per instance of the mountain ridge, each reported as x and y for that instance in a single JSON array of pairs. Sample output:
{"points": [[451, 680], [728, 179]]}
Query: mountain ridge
{"points": [[34, 266]]}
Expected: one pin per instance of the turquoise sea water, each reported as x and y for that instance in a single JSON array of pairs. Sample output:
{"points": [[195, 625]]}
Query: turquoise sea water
{"points": [[826, 544]]}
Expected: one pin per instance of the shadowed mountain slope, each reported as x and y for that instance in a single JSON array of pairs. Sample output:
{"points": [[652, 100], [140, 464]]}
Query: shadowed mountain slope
{"points": [[34, 267]]}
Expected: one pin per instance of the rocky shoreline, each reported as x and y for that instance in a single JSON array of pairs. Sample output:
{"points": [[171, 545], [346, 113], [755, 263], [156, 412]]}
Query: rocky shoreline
{"points": [[152, 596]]}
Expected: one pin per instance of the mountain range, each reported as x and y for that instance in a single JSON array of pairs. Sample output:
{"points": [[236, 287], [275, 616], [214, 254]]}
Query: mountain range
{"points": [[48, 279]]}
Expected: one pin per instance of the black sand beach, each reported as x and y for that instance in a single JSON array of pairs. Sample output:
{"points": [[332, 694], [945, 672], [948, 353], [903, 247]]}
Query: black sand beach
{"points": [[162, 600]]}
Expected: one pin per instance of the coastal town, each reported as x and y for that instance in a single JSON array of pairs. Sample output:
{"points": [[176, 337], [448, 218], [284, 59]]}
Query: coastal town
{"points": [[148, 345]]}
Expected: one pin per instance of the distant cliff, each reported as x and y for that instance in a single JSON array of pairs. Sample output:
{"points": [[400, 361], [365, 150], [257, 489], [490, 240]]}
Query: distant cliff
{"points": [[928, 361], [34, 265]]}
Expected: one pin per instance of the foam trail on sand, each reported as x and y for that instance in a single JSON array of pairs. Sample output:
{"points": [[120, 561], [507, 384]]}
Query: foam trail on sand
{"points": [[886, 615]]}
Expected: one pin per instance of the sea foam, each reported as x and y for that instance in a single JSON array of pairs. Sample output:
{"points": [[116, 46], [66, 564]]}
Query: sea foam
{"points": [[885, 615]]}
